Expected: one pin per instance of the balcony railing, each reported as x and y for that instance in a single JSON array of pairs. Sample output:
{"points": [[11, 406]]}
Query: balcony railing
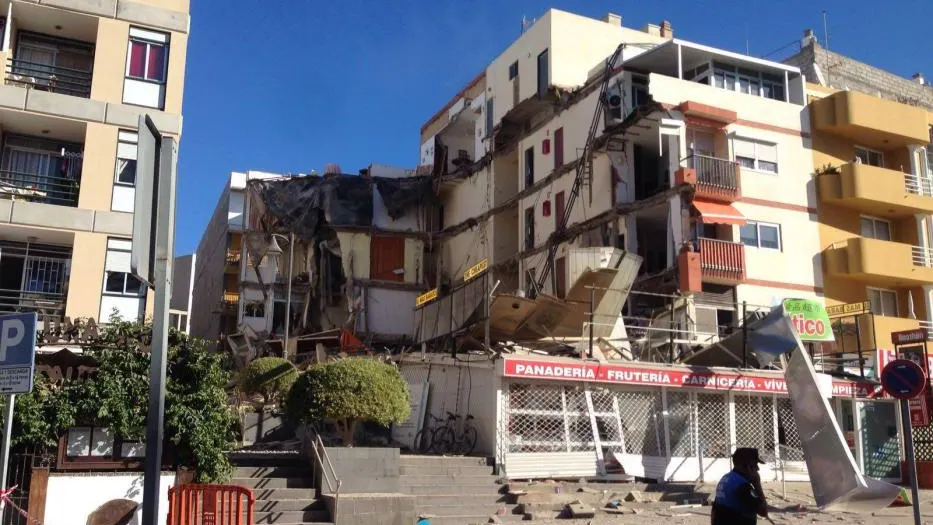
{"points": [[32, 187], [715, 179], [233, 257], [722, 260], [47, 77], [47, 305], [919, 185], [922, 256], [231, 297]]}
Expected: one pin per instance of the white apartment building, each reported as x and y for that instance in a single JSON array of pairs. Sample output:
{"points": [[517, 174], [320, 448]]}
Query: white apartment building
{"points": [[700, 165]]}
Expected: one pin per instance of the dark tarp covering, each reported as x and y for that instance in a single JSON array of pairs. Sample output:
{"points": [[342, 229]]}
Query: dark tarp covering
{"points": [[302, 204], [401, 195]]}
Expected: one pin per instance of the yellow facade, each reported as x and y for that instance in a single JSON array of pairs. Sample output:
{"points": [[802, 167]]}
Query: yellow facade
{"points": [[65, 228], [875, 200]]}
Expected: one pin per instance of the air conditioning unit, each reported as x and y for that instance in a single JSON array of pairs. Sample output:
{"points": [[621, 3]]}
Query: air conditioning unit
{"points": [[614, 104]]}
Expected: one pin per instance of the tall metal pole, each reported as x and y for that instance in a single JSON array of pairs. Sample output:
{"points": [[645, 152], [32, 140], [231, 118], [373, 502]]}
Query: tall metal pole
{"points": [[670, 352], [911, 458], [162, 273], [5, 452], [858, 345], [487, 300], [744, 334], [288, 291], [592, 317]]}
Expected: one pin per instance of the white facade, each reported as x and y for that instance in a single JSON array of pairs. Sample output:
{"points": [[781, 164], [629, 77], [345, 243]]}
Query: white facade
{"points": [[71, 498]]}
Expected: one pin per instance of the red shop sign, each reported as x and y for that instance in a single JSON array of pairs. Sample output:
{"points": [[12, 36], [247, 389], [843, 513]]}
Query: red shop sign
{"points": [[631, 375]]}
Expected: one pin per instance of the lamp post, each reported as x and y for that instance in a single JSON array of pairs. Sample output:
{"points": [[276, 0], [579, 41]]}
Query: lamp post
{"points": [[275, 251]]}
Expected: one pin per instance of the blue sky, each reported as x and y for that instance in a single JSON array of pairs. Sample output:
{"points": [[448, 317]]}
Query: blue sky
{"points": [[290, 85]]}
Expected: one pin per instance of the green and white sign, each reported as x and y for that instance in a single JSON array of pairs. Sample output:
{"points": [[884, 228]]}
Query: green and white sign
{"points": [[810, 319]]}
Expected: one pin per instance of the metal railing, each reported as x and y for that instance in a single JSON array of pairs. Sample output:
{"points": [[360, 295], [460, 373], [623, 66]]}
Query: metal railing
{"points": [[928, 326], [328, 473], [723, 259], [233, 257], [231, 297], [47, 305], [922, 256], [714, 171], [34, 187], [49, 77], [918, 185]]}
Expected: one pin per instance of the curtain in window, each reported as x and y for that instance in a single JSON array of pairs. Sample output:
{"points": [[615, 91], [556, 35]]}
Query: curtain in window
{"points": [[35, 61], [156, 65], [28, 168], [137, 59]]}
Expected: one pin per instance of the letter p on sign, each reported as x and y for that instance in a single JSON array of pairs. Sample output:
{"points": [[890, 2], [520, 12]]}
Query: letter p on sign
{"points": [[12, 334]]}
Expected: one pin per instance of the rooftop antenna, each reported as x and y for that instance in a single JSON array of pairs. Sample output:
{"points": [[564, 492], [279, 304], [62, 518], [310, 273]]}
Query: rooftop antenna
{"points": [[825, 31], [746, 40]]}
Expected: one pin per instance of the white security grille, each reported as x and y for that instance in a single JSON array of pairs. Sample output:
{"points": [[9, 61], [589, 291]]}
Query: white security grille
{"points": [[537, 419], [713, 426], [754, 423], [787, 432], [680, 423], [608, 419], [642, 422]]}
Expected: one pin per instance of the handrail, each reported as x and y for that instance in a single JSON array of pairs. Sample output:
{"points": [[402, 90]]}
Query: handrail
{"points": [[922, 256], [714, 170], [918, 185], [39, 187], [322, 458], [49, 77]]}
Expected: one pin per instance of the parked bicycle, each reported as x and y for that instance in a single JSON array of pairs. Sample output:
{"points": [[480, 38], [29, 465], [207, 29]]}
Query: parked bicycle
{"points": [[456, 436], [424, 439]]}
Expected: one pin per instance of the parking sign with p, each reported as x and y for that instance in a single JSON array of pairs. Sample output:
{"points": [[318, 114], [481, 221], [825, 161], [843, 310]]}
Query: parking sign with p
{"points": [[17, 352]]}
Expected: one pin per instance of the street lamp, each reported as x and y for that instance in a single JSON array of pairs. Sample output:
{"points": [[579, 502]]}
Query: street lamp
{"points": [[275, 252]]}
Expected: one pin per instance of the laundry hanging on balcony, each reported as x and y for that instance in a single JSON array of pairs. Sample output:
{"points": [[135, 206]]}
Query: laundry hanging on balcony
{"points": [[718, 213]]}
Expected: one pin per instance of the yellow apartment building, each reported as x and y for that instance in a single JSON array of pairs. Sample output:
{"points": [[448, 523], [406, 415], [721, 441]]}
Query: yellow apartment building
{"points": [[872, 163], [77, 74]]}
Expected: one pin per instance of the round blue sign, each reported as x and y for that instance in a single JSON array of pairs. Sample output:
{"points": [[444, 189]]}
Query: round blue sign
{"points": [[903, 379]]}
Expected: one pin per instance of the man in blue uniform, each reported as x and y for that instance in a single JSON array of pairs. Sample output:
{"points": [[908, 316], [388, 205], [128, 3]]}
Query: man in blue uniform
{"points": [[739, 498]]}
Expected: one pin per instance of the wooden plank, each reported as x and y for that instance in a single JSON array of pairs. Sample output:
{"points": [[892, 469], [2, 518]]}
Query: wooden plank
{"points": [[38, 490]]}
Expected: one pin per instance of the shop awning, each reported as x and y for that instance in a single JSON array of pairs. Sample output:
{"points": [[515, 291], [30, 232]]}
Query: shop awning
{"points": [[718, 213]]}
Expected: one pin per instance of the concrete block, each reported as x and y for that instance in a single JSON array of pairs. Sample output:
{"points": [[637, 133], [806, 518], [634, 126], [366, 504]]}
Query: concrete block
{"points": [[578, 510], [51, 216], [106, 8], [13, 97], [65, 106], [124, 115], [6, 210], [114, 222], [152, 16]]}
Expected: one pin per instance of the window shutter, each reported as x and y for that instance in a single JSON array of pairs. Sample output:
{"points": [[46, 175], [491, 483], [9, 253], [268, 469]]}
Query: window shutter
{"points": [[743, 148], [767, 152]]}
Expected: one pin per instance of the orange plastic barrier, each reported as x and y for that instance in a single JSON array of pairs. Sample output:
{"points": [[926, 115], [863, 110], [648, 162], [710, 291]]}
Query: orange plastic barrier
{"points": [[198, 504]]}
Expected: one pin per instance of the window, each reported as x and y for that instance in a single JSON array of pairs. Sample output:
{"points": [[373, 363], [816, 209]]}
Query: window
{"points": [[883, 302], [126, 157], [147, 55], [489, 108], [117, 278], [868, 156], [529, 166], [761, 235], [558, 148], [755, 154], [530, 228], [513, 70], [748, 81], [875, 228], [544, 76]]}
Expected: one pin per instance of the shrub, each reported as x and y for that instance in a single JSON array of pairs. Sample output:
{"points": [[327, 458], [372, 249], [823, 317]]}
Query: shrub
{"points": [[269, 377], [347, 392]]}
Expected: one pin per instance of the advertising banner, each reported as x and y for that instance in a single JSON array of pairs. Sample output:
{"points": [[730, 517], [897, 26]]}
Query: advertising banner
{"points": [[810, 320]]}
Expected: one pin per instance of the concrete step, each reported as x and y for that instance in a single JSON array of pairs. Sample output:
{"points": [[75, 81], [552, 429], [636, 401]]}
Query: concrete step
{"points": [[280, 494], [298, 516], [485, 489], [284, 505], [301, 471], [441, 500], [443, 470], [458, 461], [273, 483], [267, 459], [446, 479], [464, 519]]}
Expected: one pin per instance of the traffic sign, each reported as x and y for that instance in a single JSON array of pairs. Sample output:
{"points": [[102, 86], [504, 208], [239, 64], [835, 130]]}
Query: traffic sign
{"points": [[903, 379], [17, 352]]}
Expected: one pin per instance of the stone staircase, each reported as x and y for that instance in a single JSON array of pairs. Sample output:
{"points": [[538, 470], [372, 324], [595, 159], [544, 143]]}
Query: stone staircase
{"points": [[283, 488], [454, 490]]}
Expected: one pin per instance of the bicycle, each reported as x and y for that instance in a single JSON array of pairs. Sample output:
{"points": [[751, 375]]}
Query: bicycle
{"points": [[454, 437], [424, 440]]}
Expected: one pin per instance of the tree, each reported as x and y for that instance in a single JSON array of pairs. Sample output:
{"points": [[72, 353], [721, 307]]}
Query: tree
{"points": [[199, 421], [269, 377], [347, 392]]}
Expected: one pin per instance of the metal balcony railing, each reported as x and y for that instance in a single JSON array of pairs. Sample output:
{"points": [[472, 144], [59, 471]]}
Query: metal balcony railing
{"points": [[233, 257], [33, 187], [928, 326], [47, 305], [722, 259], [716, 172], [231, 297], [918, 185], [48, 77], [922, 256]]}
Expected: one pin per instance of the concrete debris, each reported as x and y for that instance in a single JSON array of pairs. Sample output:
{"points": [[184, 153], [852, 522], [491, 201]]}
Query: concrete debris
{"points": [[493, 519], [635, 497], [577, 510]]}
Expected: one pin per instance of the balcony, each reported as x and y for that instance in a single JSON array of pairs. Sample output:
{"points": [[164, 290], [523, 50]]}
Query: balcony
{"points": [[870, 121], [717, 261], [233, 261], [47, 305], [48, 77], [32, 187], [876, 191], [715, 179], [33, 276], [881, 263]]}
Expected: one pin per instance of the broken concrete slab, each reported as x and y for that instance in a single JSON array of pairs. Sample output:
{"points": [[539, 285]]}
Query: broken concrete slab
{"points": [[578, 510]]}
